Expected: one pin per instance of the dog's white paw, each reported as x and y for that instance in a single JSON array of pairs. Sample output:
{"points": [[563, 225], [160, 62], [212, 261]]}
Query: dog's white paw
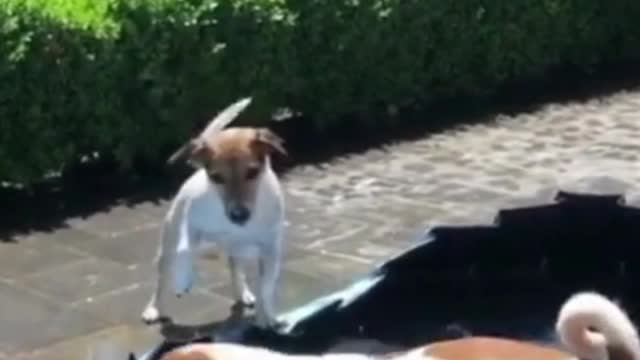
{"points": [[151, 315], [184, 286], [248, 299], [182, 292]]}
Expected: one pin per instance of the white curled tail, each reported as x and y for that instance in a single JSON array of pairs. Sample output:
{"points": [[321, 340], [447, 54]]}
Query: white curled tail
{"points": [[219, 122], [225, 117], [592, 327]]}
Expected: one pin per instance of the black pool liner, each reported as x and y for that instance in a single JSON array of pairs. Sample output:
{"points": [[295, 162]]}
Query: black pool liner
{"points": [[505, 279]]}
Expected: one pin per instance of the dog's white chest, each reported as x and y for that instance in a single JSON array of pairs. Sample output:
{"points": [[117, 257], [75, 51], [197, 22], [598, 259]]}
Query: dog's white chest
{"points": [[211, 227], [208, 224]]}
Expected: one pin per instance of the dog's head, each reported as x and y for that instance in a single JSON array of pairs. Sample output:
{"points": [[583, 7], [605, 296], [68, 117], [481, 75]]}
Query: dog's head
{"points": [[235, 160]]}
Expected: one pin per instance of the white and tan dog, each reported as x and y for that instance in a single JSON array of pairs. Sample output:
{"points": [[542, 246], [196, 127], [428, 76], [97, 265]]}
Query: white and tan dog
{"points": [[232, 201], [590, 326]]}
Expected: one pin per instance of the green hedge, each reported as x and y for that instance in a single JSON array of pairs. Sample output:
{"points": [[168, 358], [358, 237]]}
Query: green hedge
{"points": [[130, 78]]}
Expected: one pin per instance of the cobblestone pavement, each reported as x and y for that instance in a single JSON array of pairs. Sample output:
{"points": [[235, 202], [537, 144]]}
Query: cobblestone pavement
{"points": [[65, 291]]}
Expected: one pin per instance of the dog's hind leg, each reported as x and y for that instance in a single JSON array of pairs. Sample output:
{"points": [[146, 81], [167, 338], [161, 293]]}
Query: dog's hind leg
{"points": [[269, 273], [241, 292], [174, 228]]}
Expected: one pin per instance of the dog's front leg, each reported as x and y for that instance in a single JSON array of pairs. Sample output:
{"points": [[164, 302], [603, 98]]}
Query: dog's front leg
{"points": [[175, 267], [184, 265], [269, 273], [155, 309], [241, 292]]}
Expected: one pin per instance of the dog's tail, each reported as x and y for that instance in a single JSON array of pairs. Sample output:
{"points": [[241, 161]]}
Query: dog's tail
{"points": [[225, 117], [593, 327], [219, 122]]}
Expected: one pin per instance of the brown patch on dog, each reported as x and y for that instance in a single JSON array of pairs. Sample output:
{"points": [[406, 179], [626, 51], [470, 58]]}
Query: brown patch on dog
{"points": [[488, 348], [267, 143]]}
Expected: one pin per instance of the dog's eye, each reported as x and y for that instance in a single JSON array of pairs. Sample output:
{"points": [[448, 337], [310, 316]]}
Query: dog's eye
{"points": [[216, 178], [252, 173]]}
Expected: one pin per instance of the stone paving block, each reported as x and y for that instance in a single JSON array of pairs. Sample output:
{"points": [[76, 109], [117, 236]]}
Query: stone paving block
{"points": [[398, 213], [113, 343], [370, 251], [299, 211], [30, 321], [116, 220], [503, 185], [129, 248], [211, 270], [601, 185], [29, 255], [126, 305], [215, 311], [469, 217], [5, 352], [392, 232], [295, 289], [67, 237], [83, 281], [310, 233], [156, 209], [339, 269], [300, 199], [458, 192], [543, 196]]}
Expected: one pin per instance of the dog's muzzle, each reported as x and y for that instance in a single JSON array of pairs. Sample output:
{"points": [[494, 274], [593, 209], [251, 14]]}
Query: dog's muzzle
{"points": [[238, 214]]}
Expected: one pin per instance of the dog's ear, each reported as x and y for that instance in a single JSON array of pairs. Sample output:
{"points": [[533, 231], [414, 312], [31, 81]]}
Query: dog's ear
{"points": [[195, 152], [266, 142]]}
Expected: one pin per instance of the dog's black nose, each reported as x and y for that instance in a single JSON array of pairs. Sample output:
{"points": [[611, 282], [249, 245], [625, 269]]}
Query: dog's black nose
{"points": [[239, 214]]}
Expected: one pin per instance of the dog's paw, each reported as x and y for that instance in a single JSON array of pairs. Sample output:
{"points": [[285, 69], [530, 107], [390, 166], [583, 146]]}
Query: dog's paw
{"points": [[180, 294], [151, 315], [184, 280], [241, 309], [185, 289], [248, 299]]}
